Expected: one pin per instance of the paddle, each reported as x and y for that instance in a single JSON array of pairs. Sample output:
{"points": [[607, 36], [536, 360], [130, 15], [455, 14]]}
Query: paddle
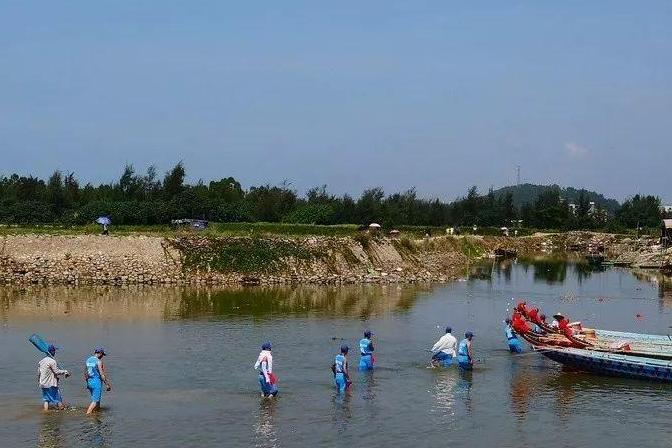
{"points": [[40, 344]]}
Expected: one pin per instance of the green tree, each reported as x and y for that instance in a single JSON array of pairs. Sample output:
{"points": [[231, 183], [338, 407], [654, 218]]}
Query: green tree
{"points": [[173, 182]]}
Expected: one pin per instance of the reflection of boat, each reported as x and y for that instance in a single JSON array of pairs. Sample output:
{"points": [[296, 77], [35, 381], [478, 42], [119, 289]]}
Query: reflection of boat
{"points": [[611, 363]]}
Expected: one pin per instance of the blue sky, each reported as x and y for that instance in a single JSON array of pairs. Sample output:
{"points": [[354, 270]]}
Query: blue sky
{"points": [[438, 95]]}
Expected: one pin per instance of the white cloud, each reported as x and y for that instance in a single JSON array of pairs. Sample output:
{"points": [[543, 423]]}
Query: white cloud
{"points": [[575, 150]]}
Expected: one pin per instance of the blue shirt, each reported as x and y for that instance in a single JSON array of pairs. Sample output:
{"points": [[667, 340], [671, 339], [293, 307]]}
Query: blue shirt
{"points": [[509, 332], [339, 362], [463, 349], [92, 368], [365, 346]]}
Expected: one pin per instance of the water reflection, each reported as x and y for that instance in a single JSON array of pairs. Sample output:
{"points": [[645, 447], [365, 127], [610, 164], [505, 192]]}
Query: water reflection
{"points": [[95, 431], [359, 301], [664, 283], [265, 431], [342, 411], [51, 434], [452, 394], [140, 302]]}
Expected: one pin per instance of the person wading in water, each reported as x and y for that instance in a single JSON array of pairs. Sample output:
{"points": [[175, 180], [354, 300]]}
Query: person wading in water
{"points": [[366, 351], [465, 355], [264, 366], [95, 376], [340, 369], [47, 377]]}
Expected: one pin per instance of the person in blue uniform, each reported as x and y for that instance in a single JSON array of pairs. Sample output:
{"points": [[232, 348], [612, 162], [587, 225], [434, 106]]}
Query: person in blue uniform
{"points": [[366, 351], [465, 355], [515, 346], [340, 369], [95, 377]]}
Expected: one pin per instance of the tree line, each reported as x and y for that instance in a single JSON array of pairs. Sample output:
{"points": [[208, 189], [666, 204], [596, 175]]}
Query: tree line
{"points": [[147, 199]]}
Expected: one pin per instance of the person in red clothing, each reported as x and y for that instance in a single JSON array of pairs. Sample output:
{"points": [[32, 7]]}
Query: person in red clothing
{"points": [[533, 315], [522, 308], [519, 325]]}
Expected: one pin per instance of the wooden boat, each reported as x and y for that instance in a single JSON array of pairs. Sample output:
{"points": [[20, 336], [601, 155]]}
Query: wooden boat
{"points": [[612, 364], [631, 344]]}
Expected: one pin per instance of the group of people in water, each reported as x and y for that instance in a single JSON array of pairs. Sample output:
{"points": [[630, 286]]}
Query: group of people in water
{"points": [[49, 373], [444, 351]]}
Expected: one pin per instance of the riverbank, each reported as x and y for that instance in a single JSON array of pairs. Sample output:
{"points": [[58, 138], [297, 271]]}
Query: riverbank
{"points": [[234, 260]]}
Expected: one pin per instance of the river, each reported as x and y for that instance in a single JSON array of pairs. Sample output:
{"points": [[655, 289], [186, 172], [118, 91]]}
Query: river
{"points": [[181, 360]]}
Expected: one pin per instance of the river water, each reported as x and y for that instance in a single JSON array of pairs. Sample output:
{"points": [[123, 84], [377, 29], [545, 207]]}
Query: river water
{"points": [[181, 365]]}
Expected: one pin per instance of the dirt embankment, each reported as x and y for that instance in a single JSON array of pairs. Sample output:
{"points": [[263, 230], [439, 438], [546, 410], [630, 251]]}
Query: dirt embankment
{"points": [[95, 259]]}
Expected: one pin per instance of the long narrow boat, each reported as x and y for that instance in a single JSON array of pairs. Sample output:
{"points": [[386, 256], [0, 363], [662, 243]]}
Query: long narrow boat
{"points": [[610, 363], [653, 338]]}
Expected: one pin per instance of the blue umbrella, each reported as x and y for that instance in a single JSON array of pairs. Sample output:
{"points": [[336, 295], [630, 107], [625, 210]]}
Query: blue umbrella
{"points": [[104, 220]]}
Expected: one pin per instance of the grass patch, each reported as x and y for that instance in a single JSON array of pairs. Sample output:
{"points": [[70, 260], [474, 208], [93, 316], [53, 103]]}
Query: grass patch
{"points": [[241, 254], [364, 239]]}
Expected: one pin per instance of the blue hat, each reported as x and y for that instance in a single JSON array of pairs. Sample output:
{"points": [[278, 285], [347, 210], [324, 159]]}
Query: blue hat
{"points": [[468, 335], [51, 349], [449, 329], [344, 348], [367, 333], [100, 350], [266, 345]]}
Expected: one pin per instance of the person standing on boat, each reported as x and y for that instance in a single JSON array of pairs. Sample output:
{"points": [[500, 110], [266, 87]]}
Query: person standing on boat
{"points": [[340, 369], [515, 345], [95, 376], [444, 349], [47, 377], [366, 361], [465, 355], [264, 366]]}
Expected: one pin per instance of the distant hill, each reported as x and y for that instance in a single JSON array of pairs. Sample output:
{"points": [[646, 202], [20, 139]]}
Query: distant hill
{"points": [[527, 193]]}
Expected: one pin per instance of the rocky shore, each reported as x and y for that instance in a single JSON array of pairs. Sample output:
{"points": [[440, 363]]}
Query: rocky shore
{"points": [[197, 260]]}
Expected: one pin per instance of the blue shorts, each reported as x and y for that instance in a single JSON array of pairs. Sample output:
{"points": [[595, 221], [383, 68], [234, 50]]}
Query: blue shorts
{"points": [[95, 387], [515, 346], [51, 395], [267, 388], [444, 359], [340, 382], [366, 362], [464, 363]]}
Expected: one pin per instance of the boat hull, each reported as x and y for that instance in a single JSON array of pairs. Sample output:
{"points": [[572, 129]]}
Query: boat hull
{"points": [[623, 366]]}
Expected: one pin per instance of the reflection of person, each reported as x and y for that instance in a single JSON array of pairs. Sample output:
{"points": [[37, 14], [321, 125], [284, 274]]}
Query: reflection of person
{"points": [[265, 428], [366, 351], [465, 355], [340, 369], [47, 377], [264, 366], [444, 349], [95, 376]]}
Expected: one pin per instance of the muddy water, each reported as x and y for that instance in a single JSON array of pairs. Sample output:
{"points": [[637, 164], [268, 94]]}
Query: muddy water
{"points": [[181, 365]]}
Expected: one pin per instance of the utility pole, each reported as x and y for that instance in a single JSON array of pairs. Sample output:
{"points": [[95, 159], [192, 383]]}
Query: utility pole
{"points": [[517, 175]]}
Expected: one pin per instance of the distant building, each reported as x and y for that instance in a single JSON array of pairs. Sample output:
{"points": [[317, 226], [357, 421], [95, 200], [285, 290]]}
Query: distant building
{"points": [[667, 209], [573, 208], [666, 233]]}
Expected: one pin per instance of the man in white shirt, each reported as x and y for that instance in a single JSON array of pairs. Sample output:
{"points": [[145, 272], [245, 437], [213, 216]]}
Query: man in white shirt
{"points": [[444, 349], [47, 378]]}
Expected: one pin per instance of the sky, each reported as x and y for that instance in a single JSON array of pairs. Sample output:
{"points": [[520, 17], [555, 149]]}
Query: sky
{"points": [[436, 95]]}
